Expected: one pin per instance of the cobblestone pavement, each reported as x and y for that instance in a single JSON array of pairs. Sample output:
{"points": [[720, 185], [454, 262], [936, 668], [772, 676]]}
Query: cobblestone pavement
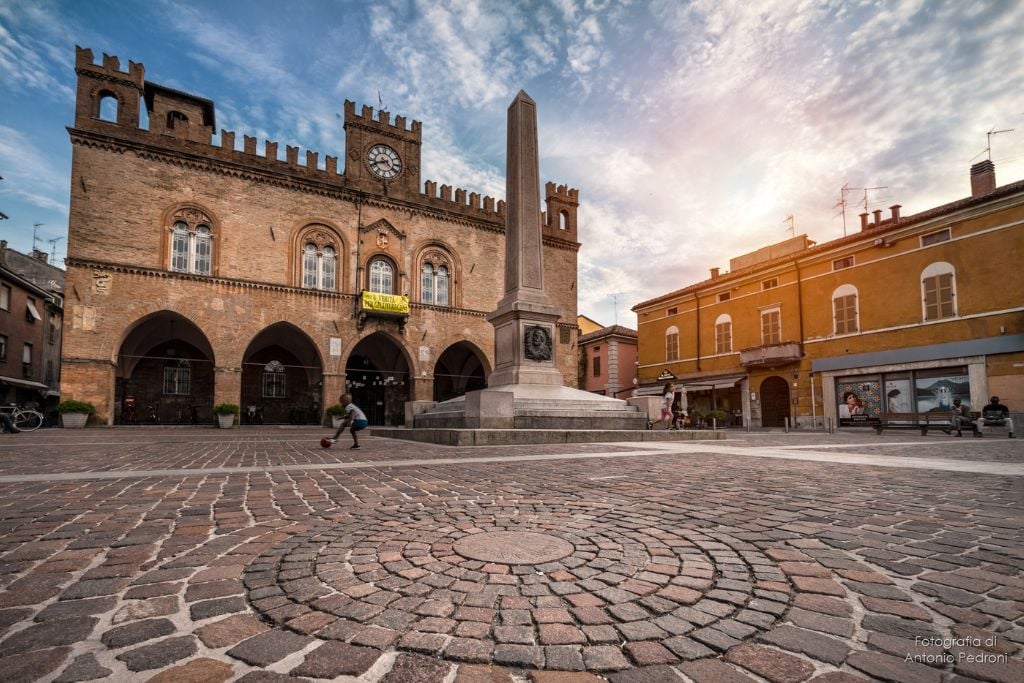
{"points": [[204, 555]]}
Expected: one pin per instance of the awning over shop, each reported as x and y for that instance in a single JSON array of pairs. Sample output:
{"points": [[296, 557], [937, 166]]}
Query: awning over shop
{"points": [[712, 383], [22, 383]]}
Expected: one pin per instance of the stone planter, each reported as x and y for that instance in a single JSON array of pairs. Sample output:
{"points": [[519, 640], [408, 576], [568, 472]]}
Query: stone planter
{"points": [[74, 420], [226, 421]]}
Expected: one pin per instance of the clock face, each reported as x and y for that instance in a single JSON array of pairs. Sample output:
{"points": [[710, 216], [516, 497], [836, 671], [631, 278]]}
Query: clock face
{"points": [[384, 161]]}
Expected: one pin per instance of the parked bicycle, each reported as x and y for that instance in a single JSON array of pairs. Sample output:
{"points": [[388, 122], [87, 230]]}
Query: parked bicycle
{"points": [[25, 419]]}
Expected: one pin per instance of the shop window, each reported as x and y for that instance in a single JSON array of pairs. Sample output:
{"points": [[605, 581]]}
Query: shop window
{"points": [[723, 334], [844, 310], [771, 326], [938, 291], [672, 343]]}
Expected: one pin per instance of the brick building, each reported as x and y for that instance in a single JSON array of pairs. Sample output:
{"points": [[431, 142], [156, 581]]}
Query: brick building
{"points": [[905, 314], [31, 322], [199, 273]]}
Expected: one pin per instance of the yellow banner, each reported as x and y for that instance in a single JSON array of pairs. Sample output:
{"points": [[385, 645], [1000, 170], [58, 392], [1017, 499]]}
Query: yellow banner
{"points": [[386, 303]]}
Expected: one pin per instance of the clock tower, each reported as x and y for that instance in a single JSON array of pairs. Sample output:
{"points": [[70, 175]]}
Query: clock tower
{"points": [[381, 156]]}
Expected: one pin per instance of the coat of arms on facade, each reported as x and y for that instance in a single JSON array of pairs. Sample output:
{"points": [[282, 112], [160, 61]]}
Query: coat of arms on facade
{"points": [[382, 239], [537, 343]]}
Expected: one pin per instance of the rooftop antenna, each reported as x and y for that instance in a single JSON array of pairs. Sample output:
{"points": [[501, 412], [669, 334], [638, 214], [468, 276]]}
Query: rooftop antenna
{"points": [[841, 204], [880, 187], [53, 249], [35, 236], [792, 225]]}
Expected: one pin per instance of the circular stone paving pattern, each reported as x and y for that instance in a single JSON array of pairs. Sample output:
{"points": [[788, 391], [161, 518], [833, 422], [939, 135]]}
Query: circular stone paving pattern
{"points": [[513, 547], [559, 585]]}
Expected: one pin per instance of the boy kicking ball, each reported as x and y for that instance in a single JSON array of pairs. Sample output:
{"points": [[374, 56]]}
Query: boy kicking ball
{"points": [[354, 418]]}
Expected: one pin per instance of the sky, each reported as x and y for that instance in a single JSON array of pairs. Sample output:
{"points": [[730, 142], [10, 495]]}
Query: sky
{"points": [[691, 129]]}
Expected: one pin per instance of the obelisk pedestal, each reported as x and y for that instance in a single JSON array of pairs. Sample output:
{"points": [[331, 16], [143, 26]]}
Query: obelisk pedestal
{"points": [[524, 321]]}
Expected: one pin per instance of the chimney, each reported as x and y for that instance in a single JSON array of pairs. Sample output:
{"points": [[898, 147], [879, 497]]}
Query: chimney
{"points": [[864, 221], [40, 255], [3, 252], [714, 273], [878, 216], [983, 178], [895, 208]]}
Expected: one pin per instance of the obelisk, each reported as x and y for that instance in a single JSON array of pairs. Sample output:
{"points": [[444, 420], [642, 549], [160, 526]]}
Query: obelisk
{"points": [[524, 321]]}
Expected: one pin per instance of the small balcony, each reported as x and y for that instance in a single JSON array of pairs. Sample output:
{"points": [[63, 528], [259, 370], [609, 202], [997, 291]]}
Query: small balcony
{"points": [[771, 355], [387, 306]]}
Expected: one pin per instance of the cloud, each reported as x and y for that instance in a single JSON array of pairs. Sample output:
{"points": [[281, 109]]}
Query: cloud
{"points": [[29, 175], [31, 58]]}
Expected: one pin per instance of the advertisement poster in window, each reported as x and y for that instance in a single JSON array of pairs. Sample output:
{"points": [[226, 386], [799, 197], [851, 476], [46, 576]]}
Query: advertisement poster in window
{"points": [[899, 397], [858, 401], [936, 394]]}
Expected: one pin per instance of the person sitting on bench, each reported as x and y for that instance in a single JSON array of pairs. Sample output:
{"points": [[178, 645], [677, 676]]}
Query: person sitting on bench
{"points": [[995, 414], [961, 419]]}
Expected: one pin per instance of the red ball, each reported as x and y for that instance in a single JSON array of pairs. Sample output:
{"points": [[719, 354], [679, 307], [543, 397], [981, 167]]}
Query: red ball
{"points": [[326, 443]]}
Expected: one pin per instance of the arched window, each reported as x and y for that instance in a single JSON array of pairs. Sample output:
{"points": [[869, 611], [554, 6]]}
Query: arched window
{"points": [[317, 258], [844, 310], [938, 291], [191, 243], [108, 107], [179, 247], [723, 334], [309, 266], [428, 283], [382, 276], [435, 277], [563, 220], [174, 118], [204, 250], [319, 267], [672, 343], [177, 377], [273, 380], [442, 287]]}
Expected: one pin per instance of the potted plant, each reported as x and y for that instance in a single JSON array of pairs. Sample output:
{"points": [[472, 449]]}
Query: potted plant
{"points": [[74, 414], [717, 418], [337, 413], [226, 413]]}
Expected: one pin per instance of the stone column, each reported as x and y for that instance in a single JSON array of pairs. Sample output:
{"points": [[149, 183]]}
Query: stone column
{"points": [[524, 321], [227, 385]]}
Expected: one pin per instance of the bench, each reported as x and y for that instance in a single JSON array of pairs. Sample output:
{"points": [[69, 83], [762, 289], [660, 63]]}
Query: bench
{"points": [[922, 421]]}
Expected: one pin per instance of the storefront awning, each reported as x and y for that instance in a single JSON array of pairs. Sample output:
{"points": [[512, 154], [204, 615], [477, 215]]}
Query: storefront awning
{"points": [[712, 383], [22, 383]]}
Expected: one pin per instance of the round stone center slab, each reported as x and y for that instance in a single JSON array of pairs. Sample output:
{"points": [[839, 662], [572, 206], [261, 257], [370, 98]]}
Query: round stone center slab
{"points": [[513, 547]]}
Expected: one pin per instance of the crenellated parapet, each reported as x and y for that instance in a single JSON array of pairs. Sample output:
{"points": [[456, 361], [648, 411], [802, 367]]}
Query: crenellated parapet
{"points": [[382, 123], [465, 202]]}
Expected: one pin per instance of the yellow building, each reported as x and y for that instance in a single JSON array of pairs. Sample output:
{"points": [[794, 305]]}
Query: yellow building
{"points": [[906, 315]]}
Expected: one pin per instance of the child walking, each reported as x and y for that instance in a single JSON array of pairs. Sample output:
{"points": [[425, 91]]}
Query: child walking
{"points": [[354, 418]]}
